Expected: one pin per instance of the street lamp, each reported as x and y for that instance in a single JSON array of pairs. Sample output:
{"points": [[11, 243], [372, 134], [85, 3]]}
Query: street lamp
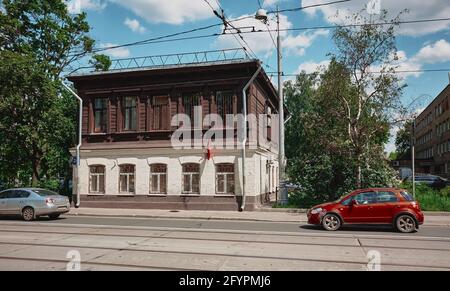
{"points": [[261, 15]]}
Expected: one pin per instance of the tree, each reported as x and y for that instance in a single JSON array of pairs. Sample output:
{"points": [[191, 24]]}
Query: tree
{"points": [[403, 140], [341, 117], [39, 41], [368, 101], [45, 30], [319, 153]]}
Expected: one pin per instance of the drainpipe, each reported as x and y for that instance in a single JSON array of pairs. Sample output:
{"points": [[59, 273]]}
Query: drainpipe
{"points": [[79, 140], [244, 141]]}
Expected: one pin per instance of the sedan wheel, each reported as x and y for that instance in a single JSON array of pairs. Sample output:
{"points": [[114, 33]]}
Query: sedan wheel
{"points": [[331, 222], [28, 214], [406, 224]]}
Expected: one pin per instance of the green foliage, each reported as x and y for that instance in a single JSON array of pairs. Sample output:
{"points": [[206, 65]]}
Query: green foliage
{"points": [[45, 30], [341, 118], [39, 41], [403, 140], [36, 122], [430, 199], [101, 62]]}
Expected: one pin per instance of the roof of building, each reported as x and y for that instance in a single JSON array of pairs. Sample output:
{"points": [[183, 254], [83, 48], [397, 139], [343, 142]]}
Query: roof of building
{"points": [[432, 102], [162, 67]]}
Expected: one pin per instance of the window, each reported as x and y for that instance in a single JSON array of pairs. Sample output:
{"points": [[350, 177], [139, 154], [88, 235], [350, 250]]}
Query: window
{"points": [[129, 113], [100, 114], [20, 194], [97, 179], [224, 102], [347, 201], [6, 194], [160, 113], [384, 197], [366, 198], [126, 179], [158, 179], [225, 179], [191, 179], [189, 102], [407, 196]]}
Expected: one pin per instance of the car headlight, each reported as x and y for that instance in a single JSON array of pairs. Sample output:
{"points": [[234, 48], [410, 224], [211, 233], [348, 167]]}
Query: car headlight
{"points": [[316, 210]]}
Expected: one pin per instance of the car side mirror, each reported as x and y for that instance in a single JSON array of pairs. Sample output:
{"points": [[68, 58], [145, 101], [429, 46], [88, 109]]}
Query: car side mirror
{"points": [[354, 202]]}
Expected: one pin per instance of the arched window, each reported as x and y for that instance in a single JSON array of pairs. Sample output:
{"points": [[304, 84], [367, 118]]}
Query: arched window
{"points": [[225, 179], [158, 179], [191, 178], [97, 179], [127, 179]]}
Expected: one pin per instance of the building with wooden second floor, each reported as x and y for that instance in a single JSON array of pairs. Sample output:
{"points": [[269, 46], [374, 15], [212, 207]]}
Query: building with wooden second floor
{"points": [[131, 118]]}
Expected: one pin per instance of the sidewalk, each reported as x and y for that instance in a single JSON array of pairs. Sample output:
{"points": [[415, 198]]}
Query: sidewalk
{"points": [[272, 215]]}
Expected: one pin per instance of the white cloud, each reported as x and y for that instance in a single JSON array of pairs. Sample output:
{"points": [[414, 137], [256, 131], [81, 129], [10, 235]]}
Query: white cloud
{"points": [[270, 3], [418, 9], [169, 11], [404, 64], [311, 66], [134, 25], [116, 52], [262, 42], [297, 44], [434, 53], [77, 6]]}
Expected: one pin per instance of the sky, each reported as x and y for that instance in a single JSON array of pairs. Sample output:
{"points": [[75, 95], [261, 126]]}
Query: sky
{"points": [[420, 46]]}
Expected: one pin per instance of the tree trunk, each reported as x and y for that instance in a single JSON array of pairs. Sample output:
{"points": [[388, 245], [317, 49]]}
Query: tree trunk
{"points": [[358, 171], [36, 167]]}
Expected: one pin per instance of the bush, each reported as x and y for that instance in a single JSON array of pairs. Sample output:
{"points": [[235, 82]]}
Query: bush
{"points": [[430, 199]]}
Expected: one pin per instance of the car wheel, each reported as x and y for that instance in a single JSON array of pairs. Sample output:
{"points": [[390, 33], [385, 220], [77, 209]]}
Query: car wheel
{"points": [[405, 223], [28, 214], [54, 216], [331, 222]]}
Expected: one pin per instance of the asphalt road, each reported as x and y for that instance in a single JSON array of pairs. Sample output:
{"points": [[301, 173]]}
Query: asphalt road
{"points": [[117, 243], [428, 231]]}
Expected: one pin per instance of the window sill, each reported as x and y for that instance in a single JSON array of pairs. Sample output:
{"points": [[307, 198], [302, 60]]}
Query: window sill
{"points": [[156, 195], [96, 194], [189, 195], [225, 195]]}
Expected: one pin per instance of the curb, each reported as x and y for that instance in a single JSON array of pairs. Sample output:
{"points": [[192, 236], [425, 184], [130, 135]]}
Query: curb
{"points": [[185, 217]]}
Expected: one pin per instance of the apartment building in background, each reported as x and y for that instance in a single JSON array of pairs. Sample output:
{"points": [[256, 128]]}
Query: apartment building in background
{"points": [[127, 159], [432, 137]]}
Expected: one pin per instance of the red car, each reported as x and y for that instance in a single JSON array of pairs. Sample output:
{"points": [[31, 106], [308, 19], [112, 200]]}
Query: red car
{"points": [[370, 206]]}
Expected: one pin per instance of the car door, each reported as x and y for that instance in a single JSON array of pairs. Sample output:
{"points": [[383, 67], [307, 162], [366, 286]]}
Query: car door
{"points": [[16, 201], [3, 202], [385, 207], [362, 211]]}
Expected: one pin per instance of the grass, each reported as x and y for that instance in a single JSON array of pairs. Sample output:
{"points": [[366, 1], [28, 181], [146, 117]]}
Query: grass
{"points": [[430, 199]]}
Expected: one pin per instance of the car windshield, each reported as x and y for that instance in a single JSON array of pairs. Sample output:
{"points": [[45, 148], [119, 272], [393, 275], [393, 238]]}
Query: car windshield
{"points": [[43, 193]]}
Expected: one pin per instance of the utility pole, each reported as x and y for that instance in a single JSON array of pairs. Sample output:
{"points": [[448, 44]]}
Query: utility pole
{"points": [[261, 15], [281, 159]]}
